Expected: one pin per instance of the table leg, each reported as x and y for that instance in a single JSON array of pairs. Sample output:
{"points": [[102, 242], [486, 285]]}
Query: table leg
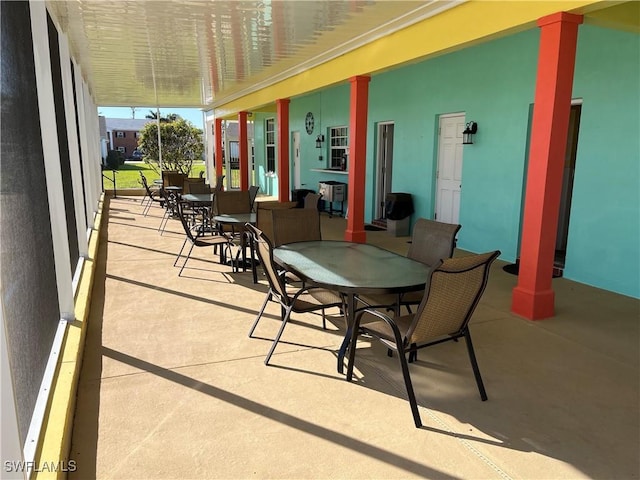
{"points": [[350, 315]]}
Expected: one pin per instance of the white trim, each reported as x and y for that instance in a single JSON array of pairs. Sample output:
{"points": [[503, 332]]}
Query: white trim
{"points": [[40, 409], [576, 101], [51, 153], [72, 138], [76, 275]]}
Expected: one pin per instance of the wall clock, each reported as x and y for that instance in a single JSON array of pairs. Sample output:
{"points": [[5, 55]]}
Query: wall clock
{"points": [[309, 123]]}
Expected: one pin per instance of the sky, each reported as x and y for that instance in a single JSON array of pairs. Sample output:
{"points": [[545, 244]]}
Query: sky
{"points": [[194, 115]]}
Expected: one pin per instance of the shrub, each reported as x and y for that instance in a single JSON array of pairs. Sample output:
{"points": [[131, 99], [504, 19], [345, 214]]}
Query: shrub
{"points": [[115, 158]]}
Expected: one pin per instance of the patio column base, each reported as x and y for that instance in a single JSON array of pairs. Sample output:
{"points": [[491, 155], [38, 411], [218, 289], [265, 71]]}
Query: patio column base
{"points": [[356, 236], [533, 305]]}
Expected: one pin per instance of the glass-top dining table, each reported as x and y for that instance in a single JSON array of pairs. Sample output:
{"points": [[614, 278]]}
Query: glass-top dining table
{"points": [[351, 269]]}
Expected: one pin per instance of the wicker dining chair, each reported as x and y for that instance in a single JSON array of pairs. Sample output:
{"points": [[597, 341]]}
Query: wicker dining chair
{"points": [[301, 300], [454, 290]]}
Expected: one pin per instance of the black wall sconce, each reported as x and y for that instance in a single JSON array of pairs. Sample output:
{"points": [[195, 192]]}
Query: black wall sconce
{"points": [[469, 131], [319, 141]]}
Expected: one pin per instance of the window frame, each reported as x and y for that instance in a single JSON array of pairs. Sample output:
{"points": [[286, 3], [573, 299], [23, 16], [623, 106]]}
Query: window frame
{"points": [[270, 144], [338, 147]]}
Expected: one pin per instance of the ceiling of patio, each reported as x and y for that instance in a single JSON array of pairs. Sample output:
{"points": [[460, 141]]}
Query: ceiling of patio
{"points": [[205, 53]]}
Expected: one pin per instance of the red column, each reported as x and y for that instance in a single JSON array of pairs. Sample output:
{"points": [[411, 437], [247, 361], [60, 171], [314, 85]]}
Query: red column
{"points": [[218, 148], [282, 109], [244, 150], [357, 159], [533, 297]]}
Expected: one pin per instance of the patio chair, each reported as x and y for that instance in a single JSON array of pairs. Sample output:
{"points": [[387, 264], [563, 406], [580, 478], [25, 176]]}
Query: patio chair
{"points": [[451, 297], [302, 300], [195, 185], [150, 196], [230, 202], [431, 243], [201, 235], [264, 221], [295, 225], [219, 185], [253, 193], [171, 202], [312, 200]]}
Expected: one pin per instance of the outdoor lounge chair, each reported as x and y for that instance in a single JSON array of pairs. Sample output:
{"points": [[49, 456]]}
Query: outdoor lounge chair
{"points": [[302, 300], [450, 299]]}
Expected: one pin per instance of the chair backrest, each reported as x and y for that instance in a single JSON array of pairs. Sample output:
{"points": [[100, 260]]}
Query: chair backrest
{"points": [[295, 225], [219, 185], [311, 200], [451, 297], [191, 184], [184, 222], [264, 220], [145, 183], [173, 179], [253, 193], [199, 187], [232, 201], [264, 247], [432, 241]]}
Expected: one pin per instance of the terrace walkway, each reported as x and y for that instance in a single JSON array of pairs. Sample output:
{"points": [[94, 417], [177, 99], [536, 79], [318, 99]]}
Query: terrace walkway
{"points": [[172, 387]]}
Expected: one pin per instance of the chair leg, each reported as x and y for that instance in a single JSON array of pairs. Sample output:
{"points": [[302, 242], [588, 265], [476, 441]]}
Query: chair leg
{"points": [[264, 305], [352, 346], [180, 252], [185, 260], [285, 319], [410, 393], [474, 365], [413, 353]]}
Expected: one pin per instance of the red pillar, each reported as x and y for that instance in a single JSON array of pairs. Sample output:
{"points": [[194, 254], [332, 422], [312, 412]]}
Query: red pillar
{"points": [[244, 150], [357, 159], [282, 109], [533, 297], [218, 148]]}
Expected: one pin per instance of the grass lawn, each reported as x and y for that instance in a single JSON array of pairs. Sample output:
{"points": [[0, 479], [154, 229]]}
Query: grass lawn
{"points": [[128, 176]]}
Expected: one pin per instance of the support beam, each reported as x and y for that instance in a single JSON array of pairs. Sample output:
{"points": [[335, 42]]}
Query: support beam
{"points": [[282, 106], [533, 297], [244, 151], [357, 159], [218, 149]]}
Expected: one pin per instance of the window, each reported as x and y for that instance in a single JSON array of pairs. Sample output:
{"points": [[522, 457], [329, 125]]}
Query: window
{"points": [[136, 134], [122, 149], [270, 134], [339, 144], [120, 134]]}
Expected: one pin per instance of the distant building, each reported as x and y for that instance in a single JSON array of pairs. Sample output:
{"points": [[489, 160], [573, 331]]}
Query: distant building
{"points": [[122, 134]]}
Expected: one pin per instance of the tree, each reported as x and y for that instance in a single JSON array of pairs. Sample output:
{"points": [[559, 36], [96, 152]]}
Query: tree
{"points": [[171, 117], [181, 145]]}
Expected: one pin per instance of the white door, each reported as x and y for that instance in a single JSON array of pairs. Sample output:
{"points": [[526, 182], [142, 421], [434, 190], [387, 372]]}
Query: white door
{"points": [[449, 173], [384, 164], [295, 145]]}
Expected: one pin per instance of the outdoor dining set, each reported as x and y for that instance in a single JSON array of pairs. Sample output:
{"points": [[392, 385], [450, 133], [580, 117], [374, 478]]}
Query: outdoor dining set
{"points": [[407, 302]]}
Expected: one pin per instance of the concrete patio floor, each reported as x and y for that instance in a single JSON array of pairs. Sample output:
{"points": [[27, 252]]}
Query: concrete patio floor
{"points": [[172, 387]]}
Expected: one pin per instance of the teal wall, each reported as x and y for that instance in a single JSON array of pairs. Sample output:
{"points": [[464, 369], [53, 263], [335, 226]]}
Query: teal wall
{"points": [[330, 108], [604, 234], [494, 85]]}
